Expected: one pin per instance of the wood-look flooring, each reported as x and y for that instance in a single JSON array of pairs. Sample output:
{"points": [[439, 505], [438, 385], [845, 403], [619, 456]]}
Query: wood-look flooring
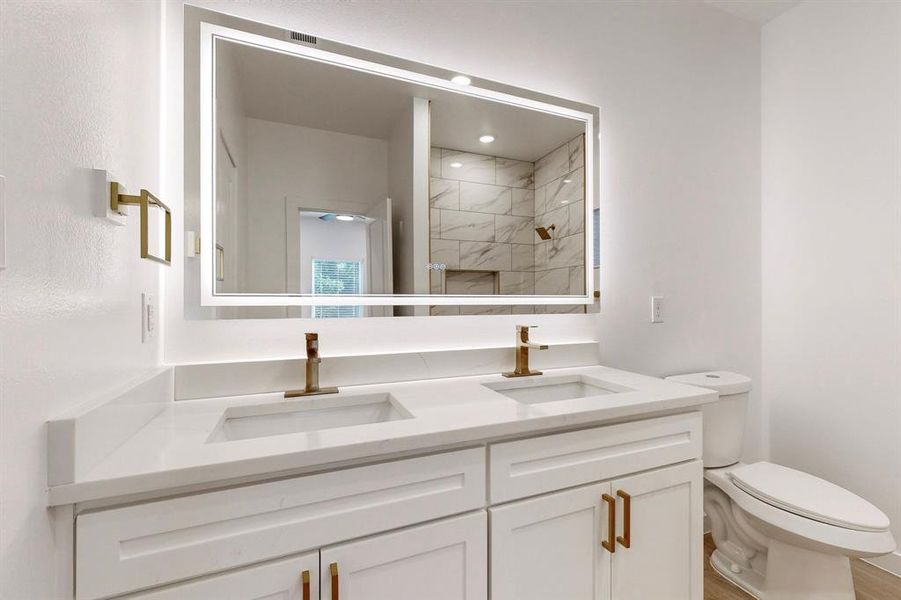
{"points": [[870, 583]]}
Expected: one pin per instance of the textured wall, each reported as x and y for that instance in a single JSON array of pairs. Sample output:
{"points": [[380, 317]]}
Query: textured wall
{"points": [[80, 90]]}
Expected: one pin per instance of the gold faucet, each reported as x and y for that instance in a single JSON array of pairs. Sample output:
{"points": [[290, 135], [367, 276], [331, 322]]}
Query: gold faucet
{"points": [[522, 353], [311, 383]]}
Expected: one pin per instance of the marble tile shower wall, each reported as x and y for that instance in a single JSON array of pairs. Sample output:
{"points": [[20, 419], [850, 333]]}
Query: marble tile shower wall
{"points": [[481, 220], [483, 214], [560, 202]]}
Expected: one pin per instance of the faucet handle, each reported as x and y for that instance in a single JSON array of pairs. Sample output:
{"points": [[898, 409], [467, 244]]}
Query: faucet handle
{"points": [[312, 344]]}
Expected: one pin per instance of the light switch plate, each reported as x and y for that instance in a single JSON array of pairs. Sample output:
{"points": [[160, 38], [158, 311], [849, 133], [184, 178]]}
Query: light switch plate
{"points": [[100, 183], [2, 222], [656, 309]]}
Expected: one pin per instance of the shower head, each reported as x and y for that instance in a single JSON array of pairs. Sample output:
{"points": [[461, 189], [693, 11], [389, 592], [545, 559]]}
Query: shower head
{"points": [[545, 232]]}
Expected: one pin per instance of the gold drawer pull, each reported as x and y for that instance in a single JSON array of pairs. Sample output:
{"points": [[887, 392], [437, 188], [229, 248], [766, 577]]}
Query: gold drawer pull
{"points": [[610, 543], [626, 538], [333, 569], [305, 583]]}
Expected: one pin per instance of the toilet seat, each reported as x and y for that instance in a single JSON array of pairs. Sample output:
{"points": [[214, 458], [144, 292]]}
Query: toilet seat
{"points": [[808, 496], [790, 527]]}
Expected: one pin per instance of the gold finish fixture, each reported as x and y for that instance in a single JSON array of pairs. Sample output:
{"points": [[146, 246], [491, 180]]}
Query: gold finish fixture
{"points": [[333, 569], [220, 263], [305, 585], [144, 200], [545, 233], [626, 538], [522, 353], [610, 543], [311, 384]]}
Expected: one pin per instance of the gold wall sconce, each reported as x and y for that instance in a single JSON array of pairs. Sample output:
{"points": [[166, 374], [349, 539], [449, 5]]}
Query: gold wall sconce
{"points": [[145, 200]]}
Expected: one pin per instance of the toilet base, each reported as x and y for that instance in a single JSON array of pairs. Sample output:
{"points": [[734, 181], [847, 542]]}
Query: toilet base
{"points": [[794, 573], [745, 579], [769, 568]]}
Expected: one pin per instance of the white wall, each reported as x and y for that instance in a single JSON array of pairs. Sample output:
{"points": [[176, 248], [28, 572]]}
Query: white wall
{"points": [[831, 213], [80, 90], [400, 190], [678, 86], [313, 168]]}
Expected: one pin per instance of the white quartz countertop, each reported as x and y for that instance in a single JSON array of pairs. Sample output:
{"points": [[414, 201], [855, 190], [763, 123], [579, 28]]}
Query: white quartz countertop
{"points": [[177, 449]]}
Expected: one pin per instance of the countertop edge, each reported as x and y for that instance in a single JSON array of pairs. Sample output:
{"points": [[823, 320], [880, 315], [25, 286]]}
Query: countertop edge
{"points": [[257, 469]]}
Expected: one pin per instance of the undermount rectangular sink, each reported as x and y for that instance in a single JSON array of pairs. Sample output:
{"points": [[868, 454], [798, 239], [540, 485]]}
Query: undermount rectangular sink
{"points": [[538, 389], [306, 414]]}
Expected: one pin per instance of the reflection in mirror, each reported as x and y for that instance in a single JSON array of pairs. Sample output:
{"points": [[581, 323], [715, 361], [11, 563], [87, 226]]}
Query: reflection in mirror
{"points": [[508, 222], [336, 181]]}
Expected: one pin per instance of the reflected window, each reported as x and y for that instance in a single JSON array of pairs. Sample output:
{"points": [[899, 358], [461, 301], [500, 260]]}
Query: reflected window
{"points": [[340, 277]]}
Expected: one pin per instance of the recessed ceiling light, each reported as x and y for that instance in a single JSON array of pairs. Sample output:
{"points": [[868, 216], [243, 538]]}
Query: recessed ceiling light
{"points": [[456, 165], [486, 139], [567, 181], [461, 80], [344, 218]]}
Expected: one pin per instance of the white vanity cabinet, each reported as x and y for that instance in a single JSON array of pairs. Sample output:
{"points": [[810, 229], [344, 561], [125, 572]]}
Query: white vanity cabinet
{"points": [[141, 546], [549, 547], [559, 545], [665, 556], [445, 560], [572, 544], [534, 511], [296, 578]]}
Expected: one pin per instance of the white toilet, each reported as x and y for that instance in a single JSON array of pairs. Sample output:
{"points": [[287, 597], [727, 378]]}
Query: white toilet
{"points": [[780, 533]]}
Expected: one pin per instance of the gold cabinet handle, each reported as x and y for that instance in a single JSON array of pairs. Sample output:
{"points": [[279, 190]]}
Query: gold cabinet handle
{"points": [[610, 543], [333, 569], [305, 585], [626, 538]]}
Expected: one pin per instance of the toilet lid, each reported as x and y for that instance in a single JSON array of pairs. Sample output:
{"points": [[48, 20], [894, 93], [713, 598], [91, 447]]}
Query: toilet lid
{"points": [[808, 496]]}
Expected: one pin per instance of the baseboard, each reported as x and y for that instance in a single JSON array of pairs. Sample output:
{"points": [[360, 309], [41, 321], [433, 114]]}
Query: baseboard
{"points": [[891, 563]]}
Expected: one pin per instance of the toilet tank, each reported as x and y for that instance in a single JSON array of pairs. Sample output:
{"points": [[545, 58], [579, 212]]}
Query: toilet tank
{"points": [[724, 420]]}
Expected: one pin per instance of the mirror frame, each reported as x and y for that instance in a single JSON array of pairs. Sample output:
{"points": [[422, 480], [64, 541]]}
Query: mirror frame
{"points": [[427, 76]]}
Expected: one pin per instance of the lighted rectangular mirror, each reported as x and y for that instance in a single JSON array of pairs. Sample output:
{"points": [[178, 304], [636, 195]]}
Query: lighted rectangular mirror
{"points": [[336, 182]]}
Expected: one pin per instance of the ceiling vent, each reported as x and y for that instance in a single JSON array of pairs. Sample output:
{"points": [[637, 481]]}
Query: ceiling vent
{"points": [[303, 38]]}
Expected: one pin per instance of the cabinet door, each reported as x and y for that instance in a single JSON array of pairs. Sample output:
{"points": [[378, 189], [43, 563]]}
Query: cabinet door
{"points": [[664, 557], [444, 560], [549, 547], [289, 579]]}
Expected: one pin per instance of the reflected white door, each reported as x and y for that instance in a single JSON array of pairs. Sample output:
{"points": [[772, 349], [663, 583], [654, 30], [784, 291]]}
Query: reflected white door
{"points": [[381, 267]]}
